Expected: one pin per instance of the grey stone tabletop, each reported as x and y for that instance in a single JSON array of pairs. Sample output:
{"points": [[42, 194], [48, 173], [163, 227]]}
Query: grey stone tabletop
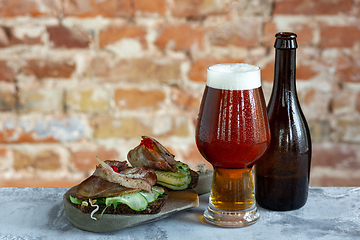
{"points": [[38, 213]]}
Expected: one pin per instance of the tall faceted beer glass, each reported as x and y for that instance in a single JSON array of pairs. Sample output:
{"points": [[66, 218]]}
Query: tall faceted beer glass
{"points": [[232, 133]]}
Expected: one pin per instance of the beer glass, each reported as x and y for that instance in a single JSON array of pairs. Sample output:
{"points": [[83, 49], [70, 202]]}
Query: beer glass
{"points": [[232, 133]]}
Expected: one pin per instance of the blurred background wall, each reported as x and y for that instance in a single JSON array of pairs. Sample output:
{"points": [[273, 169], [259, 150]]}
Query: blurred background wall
{"points": [[86, 78]]}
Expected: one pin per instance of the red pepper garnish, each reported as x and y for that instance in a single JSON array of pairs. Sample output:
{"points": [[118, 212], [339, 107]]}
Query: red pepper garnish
{"points": [[148, 143], [115, 168]]}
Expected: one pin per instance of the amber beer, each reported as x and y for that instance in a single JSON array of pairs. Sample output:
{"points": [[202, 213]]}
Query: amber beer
{"points": [[232, 133]]}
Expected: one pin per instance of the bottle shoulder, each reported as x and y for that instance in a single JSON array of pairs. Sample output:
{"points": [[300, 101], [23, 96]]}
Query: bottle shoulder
{"points": [[285, 107], [293, 120], [288, 120]]}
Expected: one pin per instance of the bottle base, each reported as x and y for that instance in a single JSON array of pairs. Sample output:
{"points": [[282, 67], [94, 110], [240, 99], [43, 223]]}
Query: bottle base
{"points": [[281, 207], [282, 204], [231, 219]]}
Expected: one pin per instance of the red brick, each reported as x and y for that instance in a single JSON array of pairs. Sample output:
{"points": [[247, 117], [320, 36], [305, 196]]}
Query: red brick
{"points": [[198, 70], [41, 131], [309, 96], [137, 99], [356, 6], [304, 33], [186, 99], [106, 127], [197, 8], [85, 159], [5, 158], [350, 74], [39, 183], [39, 100], [335, 155], [19, 136], [22, 160], [44, 68], [25, 39], [335, 164], [343, 102], [348, 130], [312, 7], [4, 37], [3, 152], [153, 6], [47, 160], [7, 101], [93, 8], [339, 36], [336, 181], [8, 37], [44, 160], [114, 34], [7, 74], [137, 70], [109, 127], [239, 9], [181, 37], [270, 29], [347, 68], [33, 8], [342, 62], [305, 72], [320, 130], [267, 72], [62, 37], [93, 100], [244, 33]]}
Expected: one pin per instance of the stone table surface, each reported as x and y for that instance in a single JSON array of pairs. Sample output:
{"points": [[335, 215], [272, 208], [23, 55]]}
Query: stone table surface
{"points": [[330, 213]]}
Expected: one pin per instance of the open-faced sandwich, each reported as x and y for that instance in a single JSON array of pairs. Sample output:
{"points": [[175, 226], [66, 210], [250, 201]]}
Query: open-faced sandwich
{"points": [[170, 173], [116, 188], [149, 186]]}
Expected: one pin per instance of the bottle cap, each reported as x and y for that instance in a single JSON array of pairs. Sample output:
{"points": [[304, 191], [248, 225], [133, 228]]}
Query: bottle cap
{"points": [[285, 40]]}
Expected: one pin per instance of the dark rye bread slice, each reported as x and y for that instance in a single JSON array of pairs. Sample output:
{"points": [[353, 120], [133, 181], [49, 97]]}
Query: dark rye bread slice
{"points": [[152, 208], [194, 179]]}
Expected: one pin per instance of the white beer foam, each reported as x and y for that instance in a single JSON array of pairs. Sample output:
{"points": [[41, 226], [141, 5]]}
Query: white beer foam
{"points": [[233, 76]]}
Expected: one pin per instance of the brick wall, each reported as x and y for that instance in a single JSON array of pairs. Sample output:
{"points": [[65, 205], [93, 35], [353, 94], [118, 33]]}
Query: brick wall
{"points": [[86, 78]]}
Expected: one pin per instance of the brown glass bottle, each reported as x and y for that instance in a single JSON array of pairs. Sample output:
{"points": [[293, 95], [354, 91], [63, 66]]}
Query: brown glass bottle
{"points": [[282, 174]]}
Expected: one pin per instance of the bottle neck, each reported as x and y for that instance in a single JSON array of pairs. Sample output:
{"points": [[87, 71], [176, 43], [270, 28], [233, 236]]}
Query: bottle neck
{"points": [[285, 71]]}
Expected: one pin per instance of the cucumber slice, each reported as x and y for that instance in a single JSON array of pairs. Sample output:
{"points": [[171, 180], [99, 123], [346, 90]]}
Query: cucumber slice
{"points": [[169, 178], [172, 187], [182, 167], [173, 180], [135, 201], [175, 174], [160, 190], [156, 192], [150, 197]]}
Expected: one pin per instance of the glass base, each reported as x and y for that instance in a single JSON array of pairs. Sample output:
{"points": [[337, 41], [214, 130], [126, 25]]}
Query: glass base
{"points": [[223, 218]]}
